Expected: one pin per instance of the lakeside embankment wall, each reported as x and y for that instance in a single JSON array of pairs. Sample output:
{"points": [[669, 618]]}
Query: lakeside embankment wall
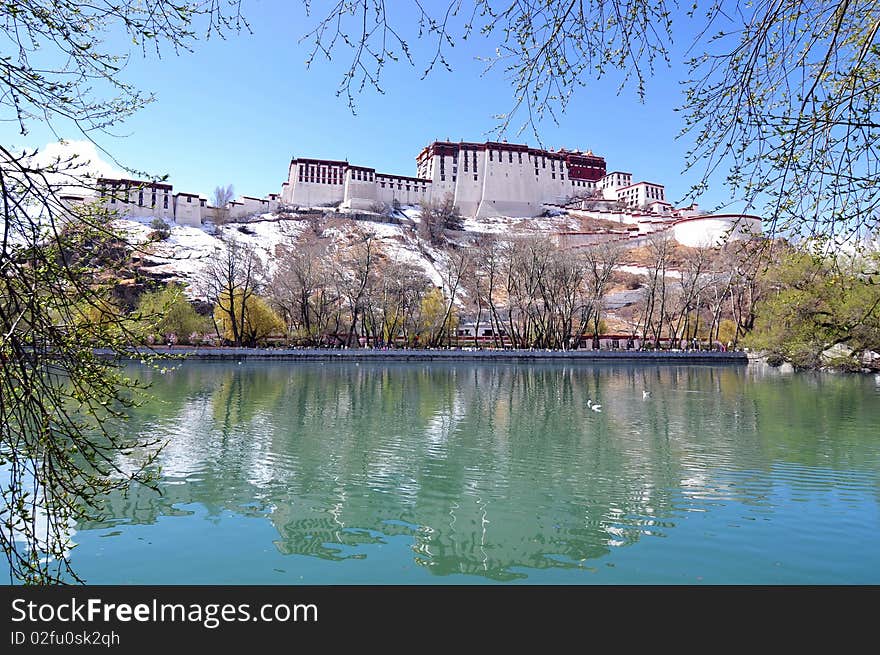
{"points": [[362, 354]]}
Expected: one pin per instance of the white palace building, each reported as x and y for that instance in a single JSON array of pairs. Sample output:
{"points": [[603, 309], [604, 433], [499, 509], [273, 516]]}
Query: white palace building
{"points": [[484, 179]]}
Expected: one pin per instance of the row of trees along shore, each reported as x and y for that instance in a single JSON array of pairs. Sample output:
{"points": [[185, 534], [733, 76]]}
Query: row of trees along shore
{"points": [[526, 293]]}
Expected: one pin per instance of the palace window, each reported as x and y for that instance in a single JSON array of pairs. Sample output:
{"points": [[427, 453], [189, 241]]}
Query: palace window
{"points": [[519, 154], [153, 199], [491, 156], [141, 198], [165, 201], [189, 199], [509, 157]]}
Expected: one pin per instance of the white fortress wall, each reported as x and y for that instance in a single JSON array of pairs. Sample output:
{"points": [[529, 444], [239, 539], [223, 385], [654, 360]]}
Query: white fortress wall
{"points": [[315, 182], [612, 182], [555, 187], [641, 194], [469, 175], [438, 168], [510, 186], [581, 188], [615, 215], [360, 188], [484, 179], [137, 199], [505, 179], [649, 225], [187, 209], [251, 205], [660, 207], [714, 230], [405, 190], [581, 239]]}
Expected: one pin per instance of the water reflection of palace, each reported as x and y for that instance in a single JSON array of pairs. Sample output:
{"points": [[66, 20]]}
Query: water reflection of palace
{"points": [[489, 470]]}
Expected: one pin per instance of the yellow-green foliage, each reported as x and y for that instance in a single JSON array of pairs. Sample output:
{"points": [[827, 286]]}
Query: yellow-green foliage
{"points": [[432, 310], [260, 320], [167, 311], [813, 305], [726, 330]]}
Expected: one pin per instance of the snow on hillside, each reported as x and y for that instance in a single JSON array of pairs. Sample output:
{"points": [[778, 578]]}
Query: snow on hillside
{"points": [[186, 252], [508, 225]]}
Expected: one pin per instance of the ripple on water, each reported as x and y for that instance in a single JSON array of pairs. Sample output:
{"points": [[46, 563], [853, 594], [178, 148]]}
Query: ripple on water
{"points": [[501, 473]]}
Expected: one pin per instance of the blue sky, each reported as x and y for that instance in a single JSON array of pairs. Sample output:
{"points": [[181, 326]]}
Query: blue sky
{"points": [[236, 110]]}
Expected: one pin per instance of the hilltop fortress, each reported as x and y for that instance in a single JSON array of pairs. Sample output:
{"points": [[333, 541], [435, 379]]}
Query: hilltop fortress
{"points": [[484, 179]]}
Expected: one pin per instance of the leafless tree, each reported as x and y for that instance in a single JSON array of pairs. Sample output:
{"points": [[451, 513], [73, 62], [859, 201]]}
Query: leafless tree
{"points": [[600, 261], [437, 216], [696, 277], [746, 263], [488, 271], [221, 198], [356, 278], [229, 281], [399, 291], [656, 296], [301, 290], [570, 275], [458, 266], [525, 263]]}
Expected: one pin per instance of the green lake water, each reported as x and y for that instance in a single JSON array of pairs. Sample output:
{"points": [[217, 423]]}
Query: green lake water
{"points": [[346, 473]]}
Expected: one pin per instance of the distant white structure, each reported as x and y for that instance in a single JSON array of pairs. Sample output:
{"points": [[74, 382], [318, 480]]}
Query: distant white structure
{"points": [[484, 180], [326, 182], [688, 226], [711, 230], [144, 199]]}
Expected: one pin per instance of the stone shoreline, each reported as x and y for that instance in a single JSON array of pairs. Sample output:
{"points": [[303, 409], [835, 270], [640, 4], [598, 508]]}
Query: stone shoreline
{"points": [[361, 354]]}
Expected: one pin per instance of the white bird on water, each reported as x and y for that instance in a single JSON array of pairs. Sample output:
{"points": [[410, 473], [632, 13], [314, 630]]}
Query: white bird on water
{"points": [[646, 395], [595, 408]]}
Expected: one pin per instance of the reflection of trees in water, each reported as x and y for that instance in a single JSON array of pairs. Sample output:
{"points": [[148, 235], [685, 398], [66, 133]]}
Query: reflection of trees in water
{"points": [[488, 469]]}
